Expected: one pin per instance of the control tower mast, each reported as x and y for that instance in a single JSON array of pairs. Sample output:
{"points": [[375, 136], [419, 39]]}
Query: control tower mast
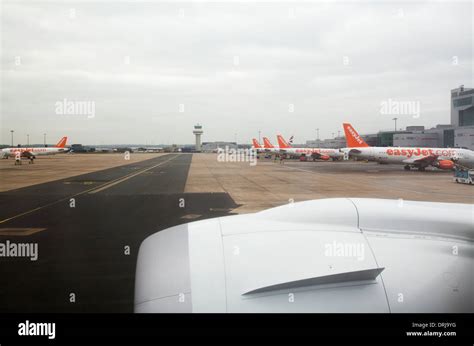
{"points": [[198, 132]]}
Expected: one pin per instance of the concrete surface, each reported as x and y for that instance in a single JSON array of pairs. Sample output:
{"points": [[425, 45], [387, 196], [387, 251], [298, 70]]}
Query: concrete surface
{"points": [[54, 167], [270, 183]]}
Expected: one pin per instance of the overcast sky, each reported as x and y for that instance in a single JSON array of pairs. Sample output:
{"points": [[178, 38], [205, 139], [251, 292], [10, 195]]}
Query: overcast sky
{"points": [[236, 67]]}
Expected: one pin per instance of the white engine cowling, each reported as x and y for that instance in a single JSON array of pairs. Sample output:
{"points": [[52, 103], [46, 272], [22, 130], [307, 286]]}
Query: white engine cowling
{"points": [[327, 255]]}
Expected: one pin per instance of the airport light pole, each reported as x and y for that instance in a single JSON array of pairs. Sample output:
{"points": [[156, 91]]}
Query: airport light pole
{"points": [[395, 119], [44, 138], [339, 133], [11, 131], [333, 135], [259, 140]]}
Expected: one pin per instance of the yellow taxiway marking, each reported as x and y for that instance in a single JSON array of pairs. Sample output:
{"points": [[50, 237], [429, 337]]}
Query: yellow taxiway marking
{"points": [[131, 175], [20, 231], [190, 216], [106, 185]]}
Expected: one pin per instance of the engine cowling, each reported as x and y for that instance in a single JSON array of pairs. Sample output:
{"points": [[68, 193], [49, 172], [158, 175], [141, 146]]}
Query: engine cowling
{"points": [[445, 164], [314, 261], [324, 157]]}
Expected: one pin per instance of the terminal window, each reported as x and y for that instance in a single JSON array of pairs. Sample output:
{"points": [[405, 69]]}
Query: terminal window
{"points": [[462, 102], [466, 117]]}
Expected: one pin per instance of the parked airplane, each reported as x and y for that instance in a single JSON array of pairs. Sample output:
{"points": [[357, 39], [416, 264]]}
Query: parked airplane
{"points": [[257, 146], [31, 152], [269, 147], [316, 153], [336, 255], [442, 158]]}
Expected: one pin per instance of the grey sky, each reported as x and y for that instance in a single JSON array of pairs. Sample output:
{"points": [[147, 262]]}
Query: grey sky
{"points": [[186, 53]]}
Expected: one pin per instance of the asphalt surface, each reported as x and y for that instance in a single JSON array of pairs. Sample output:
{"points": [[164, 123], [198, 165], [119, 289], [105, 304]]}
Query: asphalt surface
{"points": [[83, 247]]}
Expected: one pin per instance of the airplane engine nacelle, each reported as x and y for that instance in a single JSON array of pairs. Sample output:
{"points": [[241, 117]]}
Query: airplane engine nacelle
{"points": [[324, 157], [445, 164], [330, 255]]}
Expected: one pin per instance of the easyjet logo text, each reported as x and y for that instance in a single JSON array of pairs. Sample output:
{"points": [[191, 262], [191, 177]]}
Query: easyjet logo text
{"points": [[28, 150], [355, 135], [318, 151], [420, 152]]}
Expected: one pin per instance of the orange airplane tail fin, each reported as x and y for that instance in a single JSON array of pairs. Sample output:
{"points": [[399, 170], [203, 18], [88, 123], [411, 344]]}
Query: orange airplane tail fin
{"points": [[282, 143], [255, 143], [353, 139], [61, 143], [266, 143]]}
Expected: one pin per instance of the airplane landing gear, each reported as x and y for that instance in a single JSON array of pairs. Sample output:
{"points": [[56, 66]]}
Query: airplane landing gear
{"points": [[407, 167]]}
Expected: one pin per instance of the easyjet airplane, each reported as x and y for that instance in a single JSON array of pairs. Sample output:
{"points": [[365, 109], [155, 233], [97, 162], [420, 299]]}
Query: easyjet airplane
{"points": [[31, 152], [316, 153], [442, 158], [256, 145], [269, 147]]}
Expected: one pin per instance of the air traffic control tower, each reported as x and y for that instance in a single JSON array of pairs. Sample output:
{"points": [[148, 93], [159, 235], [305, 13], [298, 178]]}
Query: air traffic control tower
{"points": [[198, 132]]}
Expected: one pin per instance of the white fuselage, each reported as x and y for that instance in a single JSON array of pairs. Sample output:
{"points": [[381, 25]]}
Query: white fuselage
{"points": [[465, 158], [36, 151], [332, 153], [402, 155], [275, 150]]}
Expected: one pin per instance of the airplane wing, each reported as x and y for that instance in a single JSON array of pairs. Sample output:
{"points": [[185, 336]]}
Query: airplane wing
{"points": [[27, 154], [282, 151], [316, 155], [425, 160], [354, 151]]}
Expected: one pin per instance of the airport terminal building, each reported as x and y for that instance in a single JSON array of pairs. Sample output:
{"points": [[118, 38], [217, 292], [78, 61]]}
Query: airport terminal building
{"points": [[458, 134], [213, 146], [462, 107]]}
